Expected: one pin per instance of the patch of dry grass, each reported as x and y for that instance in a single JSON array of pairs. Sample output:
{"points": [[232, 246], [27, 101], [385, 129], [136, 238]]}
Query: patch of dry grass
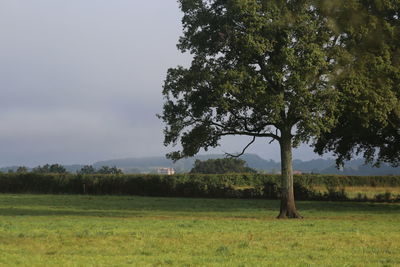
{"points": [[367, 191]]}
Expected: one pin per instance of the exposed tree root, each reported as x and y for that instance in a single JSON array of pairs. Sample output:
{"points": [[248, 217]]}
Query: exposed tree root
{"points": [[289, 215]]}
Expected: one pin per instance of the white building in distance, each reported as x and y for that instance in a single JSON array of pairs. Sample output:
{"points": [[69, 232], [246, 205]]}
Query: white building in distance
{"points": [[167, 171]]}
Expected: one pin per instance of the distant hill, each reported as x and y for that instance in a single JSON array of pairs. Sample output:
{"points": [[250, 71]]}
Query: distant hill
{"points": [[322, 166], [150, 164]]}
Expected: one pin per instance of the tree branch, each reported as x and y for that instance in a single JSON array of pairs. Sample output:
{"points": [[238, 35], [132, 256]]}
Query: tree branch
{"points": [[246, 126], [243, 151], [271, 135], [275, 87], [232, 131]]}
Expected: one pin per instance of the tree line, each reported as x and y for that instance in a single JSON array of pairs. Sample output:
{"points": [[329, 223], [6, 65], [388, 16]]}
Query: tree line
{"points": [[60, 169], [221, 166]]}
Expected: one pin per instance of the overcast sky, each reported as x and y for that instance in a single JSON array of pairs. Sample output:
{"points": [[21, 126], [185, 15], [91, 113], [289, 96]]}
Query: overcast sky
{"points": [[81, 81]]}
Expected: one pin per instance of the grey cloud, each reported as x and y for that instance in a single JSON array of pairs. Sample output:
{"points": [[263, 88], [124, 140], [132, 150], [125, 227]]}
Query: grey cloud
{"points": [[73, 136]]}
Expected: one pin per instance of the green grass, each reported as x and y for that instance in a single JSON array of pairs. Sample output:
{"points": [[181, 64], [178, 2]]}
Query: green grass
{"points": [[64, 230]]}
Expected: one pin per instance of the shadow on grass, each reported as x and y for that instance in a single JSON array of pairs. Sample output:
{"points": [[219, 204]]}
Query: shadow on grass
{"points": [[66, 212], [131, 206]]}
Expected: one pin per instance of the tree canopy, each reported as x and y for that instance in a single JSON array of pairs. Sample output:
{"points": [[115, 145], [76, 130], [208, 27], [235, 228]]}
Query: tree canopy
{"points": [[369, 121], [258, 66]]}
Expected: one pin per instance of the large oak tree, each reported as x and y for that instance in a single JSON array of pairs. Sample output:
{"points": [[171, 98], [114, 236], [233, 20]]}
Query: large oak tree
{"points": [[263, 69]]}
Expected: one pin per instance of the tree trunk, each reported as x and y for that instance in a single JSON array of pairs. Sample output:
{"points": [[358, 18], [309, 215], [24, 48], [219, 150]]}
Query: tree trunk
{"points": [[288, 207]]}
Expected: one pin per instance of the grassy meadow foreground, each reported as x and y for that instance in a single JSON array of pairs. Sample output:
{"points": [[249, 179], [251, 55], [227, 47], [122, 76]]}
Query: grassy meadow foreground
{"points": [[76, 230]]}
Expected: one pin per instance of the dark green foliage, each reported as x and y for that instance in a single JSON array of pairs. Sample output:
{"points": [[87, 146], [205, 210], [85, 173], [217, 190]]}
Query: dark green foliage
{"points": [[219, 166], [335, 193], [22, 169], [263, 69], [369, 121], [89, 169], [260, 68], [109, 170], [191, 185], [54, 168], [386, 197]]}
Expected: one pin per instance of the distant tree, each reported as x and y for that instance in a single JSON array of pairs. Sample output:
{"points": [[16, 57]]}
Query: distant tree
{"points": [[42, 169], [22, 169], [87, 169], [57, 168], [109, 170], [217, 166], [104, 170], [54, 168]]}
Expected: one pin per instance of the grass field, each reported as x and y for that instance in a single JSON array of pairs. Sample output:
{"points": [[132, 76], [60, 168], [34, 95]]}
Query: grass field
{"points": [[64, 230]]}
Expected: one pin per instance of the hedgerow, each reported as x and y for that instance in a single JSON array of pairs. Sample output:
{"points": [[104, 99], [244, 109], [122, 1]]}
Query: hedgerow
{"points": [[245, 185]]}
